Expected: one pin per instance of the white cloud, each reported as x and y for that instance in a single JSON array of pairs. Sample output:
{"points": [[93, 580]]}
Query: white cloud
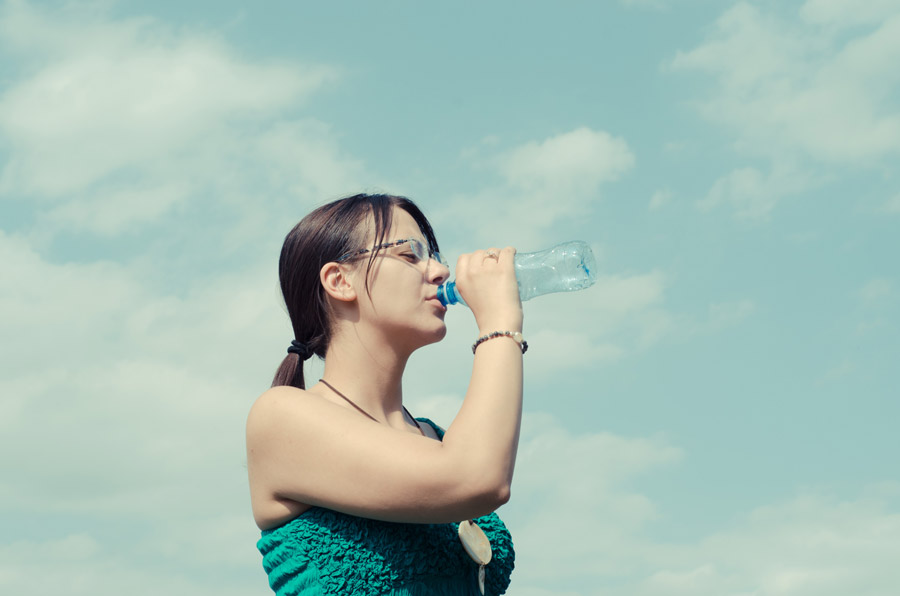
{"points": [[618, 316], [746, 190], [544, 182], [112, 213], [552, 351], [594, 517], [619, 295], [799, 88], [839, 371], [892, 205], [807, 545], [847, 13], [628, 306], [56, 304], [876, 292], [119, 390], [726, 314], [112, 125], [114, 96], [788, 86], [659, 199], [86, 566], [305, 159], [875, 299], [598, 531], [126, 399], [580, 159], [753, 194]]}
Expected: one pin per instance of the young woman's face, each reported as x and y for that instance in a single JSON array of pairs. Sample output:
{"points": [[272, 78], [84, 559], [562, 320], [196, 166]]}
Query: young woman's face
{"points": [[401, 300]]}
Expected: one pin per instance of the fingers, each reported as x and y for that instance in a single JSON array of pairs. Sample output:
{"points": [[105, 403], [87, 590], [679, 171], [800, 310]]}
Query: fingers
{"points": [[497, 254], [487, 281], [491, 256]]}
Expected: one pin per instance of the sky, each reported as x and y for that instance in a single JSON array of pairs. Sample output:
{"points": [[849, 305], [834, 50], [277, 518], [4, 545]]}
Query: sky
{"points": [[716, 416]]}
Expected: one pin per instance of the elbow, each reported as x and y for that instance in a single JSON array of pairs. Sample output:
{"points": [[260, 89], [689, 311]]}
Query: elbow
{"points": [[491, 497], [502, 494], [484, 489]]}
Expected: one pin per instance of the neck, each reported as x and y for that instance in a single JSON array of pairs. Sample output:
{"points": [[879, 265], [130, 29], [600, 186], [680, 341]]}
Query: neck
{"points": [[368, 372]]}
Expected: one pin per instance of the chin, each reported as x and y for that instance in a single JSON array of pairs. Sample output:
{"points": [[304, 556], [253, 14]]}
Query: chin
{"points": [[422, 334], [437, 334]]}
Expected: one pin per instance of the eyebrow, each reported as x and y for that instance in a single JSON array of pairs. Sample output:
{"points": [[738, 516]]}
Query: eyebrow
{"points": [[407, 239]]}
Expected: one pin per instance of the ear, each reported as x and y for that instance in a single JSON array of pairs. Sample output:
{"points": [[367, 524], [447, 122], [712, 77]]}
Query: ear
{"points": [[336, 279]]}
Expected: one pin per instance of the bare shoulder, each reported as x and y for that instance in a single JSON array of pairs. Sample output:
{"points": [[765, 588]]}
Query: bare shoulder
{"points": [[284, 405], [275, 398], [274, 424], [272, 403]]}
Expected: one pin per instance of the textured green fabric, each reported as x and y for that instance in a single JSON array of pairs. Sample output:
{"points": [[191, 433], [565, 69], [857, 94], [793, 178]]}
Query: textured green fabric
{"points": [[324, 552]]}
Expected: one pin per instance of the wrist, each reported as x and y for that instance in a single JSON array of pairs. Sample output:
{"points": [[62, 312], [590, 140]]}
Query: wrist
{"points": [[485, 329], [505, 323], [516, 336]]}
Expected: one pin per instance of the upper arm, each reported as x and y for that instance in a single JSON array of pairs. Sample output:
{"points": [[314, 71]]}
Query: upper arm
{"points": [[306, 449]]}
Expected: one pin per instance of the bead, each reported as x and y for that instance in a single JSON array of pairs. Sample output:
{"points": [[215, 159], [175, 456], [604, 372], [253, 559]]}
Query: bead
{"points": [[515, 336]]}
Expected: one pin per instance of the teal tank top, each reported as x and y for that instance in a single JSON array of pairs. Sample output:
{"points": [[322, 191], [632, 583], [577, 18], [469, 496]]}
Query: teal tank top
{"points": [[323, 552]]}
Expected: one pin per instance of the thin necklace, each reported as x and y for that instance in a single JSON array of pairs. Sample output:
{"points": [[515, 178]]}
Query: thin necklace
{"points": [[349, 401]]}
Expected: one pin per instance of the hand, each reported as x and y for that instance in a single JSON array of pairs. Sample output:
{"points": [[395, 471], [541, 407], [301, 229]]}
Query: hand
{"points": [[486, 279]]}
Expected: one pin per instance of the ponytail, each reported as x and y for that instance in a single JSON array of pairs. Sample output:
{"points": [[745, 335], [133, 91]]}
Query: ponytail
{"points": [[290, 372]]}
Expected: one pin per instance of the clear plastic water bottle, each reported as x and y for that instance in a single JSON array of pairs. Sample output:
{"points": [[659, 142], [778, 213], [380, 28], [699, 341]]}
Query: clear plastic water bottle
{"points": [[566, 267]]}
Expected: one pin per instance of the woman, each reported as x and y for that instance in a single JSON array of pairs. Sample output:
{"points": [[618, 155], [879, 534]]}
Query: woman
{"points": [[352, 494]]}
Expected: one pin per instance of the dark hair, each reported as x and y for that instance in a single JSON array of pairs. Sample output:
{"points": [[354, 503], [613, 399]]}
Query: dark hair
{"points": [[325, 235]]}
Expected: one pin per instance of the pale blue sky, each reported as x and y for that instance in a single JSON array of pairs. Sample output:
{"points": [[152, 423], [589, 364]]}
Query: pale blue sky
{"points": [[716, 416]]}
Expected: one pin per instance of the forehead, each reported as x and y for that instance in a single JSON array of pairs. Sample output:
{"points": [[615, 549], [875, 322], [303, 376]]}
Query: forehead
{"points": [[403, 226]]}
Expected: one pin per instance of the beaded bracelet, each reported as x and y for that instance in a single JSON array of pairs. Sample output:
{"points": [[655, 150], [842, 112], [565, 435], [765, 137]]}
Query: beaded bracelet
{"points": [[516, 336]]}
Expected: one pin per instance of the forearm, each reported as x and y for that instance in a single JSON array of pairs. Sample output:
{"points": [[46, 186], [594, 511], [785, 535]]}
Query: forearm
{"points": [[484, 436]]}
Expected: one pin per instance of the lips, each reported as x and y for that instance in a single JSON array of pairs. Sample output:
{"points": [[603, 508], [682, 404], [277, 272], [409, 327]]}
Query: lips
{"points": [[435, 301]]}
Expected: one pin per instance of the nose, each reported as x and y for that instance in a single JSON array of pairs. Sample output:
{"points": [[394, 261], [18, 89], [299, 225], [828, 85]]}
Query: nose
{"points": [[436, 272]]}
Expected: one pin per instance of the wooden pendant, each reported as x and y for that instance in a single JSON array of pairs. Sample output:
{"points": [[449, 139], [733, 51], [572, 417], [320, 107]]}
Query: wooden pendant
{"points": [[477, 546]]}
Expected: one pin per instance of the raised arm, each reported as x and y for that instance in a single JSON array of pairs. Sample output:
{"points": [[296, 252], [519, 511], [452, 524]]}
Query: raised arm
{"points": [[304, 449]]}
